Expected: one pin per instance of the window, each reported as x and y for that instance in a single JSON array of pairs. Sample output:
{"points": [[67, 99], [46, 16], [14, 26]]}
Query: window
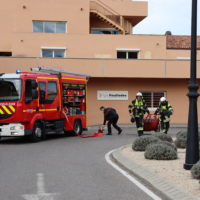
{"points": [[121, 54], [31, 91], [42, 87], [132, 55], [127, 54], [5, 53], [49, 27], [28, 92], [152, 98], [10, 89], [52, 91], [53, 53]]}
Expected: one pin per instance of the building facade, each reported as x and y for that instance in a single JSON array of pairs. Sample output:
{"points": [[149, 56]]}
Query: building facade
{"points": [[95, 37]]}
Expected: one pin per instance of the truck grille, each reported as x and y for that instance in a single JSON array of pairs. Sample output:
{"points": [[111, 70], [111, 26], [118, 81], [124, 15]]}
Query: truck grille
{"points": [[4, 116]]}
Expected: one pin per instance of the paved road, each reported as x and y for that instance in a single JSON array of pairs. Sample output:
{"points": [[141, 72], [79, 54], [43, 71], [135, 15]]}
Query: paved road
{"points": [[64, 168]]}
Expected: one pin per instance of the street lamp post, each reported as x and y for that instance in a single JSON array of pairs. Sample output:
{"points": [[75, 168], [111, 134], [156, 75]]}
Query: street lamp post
{"points": [[192, 149]]}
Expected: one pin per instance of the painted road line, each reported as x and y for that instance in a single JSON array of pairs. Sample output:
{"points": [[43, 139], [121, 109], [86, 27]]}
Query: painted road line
{"points": [[131, 178], [41, 194]]}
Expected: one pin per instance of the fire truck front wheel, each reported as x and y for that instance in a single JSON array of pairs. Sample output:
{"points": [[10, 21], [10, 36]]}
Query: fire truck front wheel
{"points": [[37, 133]]}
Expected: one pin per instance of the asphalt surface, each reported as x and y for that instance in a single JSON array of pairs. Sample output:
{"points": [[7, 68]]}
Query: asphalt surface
{"points": [[65, 168]]}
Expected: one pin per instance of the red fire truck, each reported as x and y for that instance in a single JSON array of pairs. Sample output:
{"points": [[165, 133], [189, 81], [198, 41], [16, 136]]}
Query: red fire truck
{"points": [[41, 102]]}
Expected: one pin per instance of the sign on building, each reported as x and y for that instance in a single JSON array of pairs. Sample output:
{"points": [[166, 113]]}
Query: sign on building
{"points": [[112, 95]]}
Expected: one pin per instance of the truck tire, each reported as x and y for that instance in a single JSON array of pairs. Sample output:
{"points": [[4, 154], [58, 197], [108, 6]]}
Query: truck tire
{"points": [[37, 133], [78, 127]]}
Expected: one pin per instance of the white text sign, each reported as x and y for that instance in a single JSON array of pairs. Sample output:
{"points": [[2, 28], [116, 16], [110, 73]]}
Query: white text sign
{"points": [[112, 95]]}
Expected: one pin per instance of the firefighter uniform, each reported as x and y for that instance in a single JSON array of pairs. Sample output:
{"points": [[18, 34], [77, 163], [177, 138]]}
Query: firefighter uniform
{"points": [[137, 109], [165, 110]]}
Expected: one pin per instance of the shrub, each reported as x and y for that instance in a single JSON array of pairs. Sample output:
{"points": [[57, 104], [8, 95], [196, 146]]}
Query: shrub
{"points": [[160, 151], [168, 143], [182, 133], [140, 143], [195, 170], [163, 137], [181, 139], [181, 142]]}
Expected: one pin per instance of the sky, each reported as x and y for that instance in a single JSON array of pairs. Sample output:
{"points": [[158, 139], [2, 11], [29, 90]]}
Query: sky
{"points": [[168, 15]]}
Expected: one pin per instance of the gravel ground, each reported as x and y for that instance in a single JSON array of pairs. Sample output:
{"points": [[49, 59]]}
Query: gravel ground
{"points": [[172, 170]]}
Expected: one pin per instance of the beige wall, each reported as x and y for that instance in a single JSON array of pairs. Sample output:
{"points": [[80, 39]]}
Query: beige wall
{"points": [[176, 96], [89, 46], [7, 16], [16, 20], [106, 67], [93, 45], [184, 54], [53, 10], [17, 36]]}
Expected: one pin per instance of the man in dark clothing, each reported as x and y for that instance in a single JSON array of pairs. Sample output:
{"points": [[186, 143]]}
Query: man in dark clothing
{"points": [[112, 117]]}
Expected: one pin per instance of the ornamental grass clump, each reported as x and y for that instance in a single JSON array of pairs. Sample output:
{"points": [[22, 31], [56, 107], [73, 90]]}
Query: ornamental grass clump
{"points": [[164, 137], [140, 143], [160, 151], [169, 144], [195, 170], [181, 139]]}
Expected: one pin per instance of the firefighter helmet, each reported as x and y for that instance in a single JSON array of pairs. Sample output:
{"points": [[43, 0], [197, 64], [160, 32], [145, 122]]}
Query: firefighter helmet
{"points": [[162, 99], [139, 94]]}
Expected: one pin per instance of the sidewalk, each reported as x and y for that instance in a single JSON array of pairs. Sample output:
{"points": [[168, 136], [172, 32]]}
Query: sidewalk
{"points": [[167, 179]]}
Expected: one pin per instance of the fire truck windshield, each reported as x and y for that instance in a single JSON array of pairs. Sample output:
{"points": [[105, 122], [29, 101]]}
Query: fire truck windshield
{"points": [[10, 89]]}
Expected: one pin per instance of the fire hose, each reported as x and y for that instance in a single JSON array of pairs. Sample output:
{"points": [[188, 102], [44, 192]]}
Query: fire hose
{"points": [[96, 134]]}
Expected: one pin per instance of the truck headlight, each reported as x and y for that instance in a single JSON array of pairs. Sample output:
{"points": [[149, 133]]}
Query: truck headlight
{"points": [[17, 128]]}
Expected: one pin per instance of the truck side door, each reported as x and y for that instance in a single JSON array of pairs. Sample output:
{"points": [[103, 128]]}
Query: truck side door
{"points": [[49, 101]]}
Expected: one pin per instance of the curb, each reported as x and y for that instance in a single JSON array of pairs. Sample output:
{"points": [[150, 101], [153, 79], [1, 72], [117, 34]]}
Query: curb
{"points": [[163, 188]]}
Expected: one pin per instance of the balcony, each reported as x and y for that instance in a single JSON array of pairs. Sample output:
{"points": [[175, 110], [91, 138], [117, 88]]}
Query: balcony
{"points": [[104, 16], [105, 68]]}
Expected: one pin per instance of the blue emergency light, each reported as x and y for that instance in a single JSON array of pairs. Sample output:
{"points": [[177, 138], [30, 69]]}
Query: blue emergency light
{"points": [[18, 71]]}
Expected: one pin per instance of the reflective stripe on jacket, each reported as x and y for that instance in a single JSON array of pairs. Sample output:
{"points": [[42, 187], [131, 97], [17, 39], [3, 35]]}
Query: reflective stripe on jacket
{"points": [[139, 107], [161, 109]]}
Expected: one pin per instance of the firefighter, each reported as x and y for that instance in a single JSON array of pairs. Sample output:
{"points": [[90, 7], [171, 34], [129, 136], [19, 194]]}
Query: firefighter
{"points": [[165, 110], [112, 117], [137, 110]]}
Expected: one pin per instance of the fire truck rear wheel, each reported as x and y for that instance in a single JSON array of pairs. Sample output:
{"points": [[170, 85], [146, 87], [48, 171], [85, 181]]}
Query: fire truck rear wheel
{"points": [[78, 127], [37, 133]]}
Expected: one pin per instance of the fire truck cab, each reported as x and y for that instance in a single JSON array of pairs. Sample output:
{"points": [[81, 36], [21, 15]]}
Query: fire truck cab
{"points": [[35, 104]]}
